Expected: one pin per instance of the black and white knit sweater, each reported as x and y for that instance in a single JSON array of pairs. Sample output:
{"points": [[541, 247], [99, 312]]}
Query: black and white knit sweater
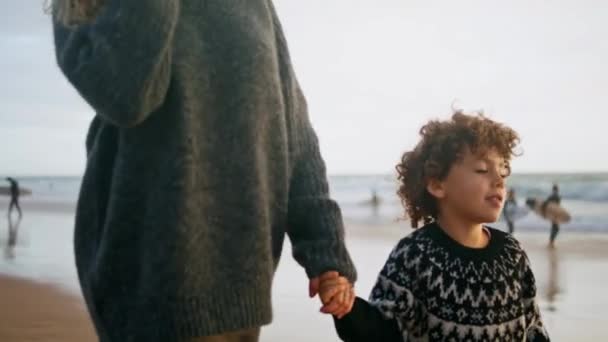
{"points": [[434, 289]]}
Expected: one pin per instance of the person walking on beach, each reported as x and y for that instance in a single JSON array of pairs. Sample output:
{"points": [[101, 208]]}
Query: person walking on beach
{"points": [[13, 227], [374, 202], [200, 159], [509, 210], [553, 198], [454, 279], [14, 202]]}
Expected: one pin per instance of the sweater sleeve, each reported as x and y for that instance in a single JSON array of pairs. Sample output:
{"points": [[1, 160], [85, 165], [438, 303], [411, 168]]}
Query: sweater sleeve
{"points": [[393, 294], [120, 63], [314, 220], [365, 323], [535, 329], [315, 225]]}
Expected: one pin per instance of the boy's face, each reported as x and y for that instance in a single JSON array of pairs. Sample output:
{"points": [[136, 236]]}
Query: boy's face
{"points": [[474, 189]]}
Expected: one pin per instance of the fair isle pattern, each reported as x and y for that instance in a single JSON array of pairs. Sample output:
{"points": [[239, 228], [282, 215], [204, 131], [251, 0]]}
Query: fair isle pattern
{"points": [[440, 291]]}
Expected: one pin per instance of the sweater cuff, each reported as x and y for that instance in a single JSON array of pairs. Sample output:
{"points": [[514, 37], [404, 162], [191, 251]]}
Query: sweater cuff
{"points": [[318, 257]]}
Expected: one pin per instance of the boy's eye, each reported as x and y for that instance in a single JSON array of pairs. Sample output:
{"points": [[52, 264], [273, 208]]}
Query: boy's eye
{"points": [[506, 171], [504, 174]]}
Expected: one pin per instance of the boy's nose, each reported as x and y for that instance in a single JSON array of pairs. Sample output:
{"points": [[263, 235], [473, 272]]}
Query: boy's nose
{"points": [[499, 180]]}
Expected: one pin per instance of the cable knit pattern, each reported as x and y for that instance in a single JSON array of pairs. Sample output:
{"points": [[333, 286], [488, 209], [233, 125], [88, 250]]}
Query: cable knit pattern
{"points": [[439, 290], [201, 158]]}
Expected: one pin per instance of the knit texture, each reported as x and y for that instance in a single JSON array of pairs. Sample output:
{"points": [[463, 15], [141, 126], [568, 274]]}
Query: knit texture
{"points": [[201, 158], [439, 290]]}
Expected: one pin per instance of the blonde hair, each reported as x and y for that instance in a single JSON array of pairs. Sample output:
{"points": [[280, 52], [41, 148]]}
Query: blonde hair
{"points": [[73, 12]]}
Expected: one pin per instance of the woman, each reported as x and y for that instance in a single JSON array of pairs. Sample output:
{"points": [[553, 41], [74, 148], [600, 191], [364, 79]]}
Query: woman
{"points": [[200, 155]]}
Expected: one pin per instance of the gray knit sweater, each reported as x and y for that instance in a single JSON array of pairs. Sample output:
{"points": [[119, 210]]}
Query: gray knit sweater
{"points": [[201, 157]]}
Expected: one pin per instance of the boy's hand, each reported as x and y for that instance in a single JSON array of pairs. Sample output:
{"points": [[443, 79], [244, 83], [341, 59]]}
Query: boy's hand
{"points": [[336, 293]]}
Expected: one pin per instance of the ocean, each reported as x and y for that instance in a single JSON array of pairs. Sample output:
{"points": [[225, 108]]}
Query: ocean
{"points": [[584, 195]]}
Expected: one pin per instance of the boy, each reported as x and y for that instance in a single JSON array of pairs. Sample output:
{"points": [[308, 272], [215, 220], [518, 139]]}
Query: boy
{"points": [[454, 279]]}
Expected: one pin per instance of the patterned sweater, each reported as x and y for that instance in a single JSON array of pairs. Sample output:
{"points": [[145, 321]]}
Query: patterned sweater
{"points": [[434, 289]]}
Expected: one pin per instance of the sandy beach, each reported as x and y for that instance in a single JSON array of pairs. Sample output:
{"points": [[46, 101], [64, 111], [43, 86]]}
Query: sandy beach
{"points": [[41, 301], [33, 311]]}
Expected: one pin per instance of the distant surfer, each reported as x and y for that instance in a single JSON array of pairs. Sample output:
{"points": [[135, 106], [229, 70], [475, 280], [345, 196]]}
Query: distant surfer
{"points": [[509, 210], [14, 203], [14, 197], [553, 198], [375, 202]]}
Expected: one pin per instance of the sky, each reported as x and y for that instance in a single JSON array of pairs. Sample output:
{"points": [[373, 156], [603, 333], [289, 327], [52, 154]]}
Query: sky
{"points": [[373, 73]]}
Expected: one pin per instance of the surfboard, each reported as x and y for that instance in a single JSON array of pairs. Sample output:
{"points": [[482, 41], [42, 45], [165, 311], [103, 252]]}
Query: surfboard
{"points": [[554, 212], [6, 191], [514, 212]]}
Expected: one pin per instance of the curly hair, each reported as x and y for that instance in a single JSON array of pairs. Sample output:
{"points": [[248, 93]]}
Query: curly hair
{"points": [[443, 143]]}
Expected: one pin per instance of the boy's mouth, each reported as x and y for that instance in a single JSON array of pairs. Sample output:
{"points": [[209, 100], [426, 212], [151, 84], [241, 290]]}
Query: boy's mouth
{"points": [[496, 200]]}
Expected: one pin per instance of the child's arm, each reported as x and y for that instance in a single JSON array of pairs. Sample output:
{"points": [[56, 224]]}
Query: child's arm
{"points": [[365, 323], [535, 329], [393, 295], [393, 308]]}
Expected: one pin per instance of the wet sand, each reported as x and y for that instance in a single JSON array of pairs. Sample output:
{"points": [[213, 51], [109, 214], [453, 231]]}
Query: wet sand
{"points": [[40, 312], [571, 282]]}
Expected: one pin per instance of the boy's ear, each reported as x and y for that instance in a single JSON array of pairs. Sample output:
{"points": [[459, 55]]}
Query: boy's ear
{"points": [[435, 188]]}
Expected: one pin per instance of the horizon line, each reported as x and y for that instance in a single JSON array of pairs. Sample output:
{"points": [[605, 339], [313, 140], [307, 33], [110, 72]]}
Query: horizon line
{"points": [[336, 174]]}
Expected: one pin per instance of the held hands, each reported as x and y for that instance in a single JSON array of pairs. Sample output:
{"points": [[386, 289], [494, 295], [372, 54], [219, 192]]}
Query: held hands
{"points": [[336, 293]]}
